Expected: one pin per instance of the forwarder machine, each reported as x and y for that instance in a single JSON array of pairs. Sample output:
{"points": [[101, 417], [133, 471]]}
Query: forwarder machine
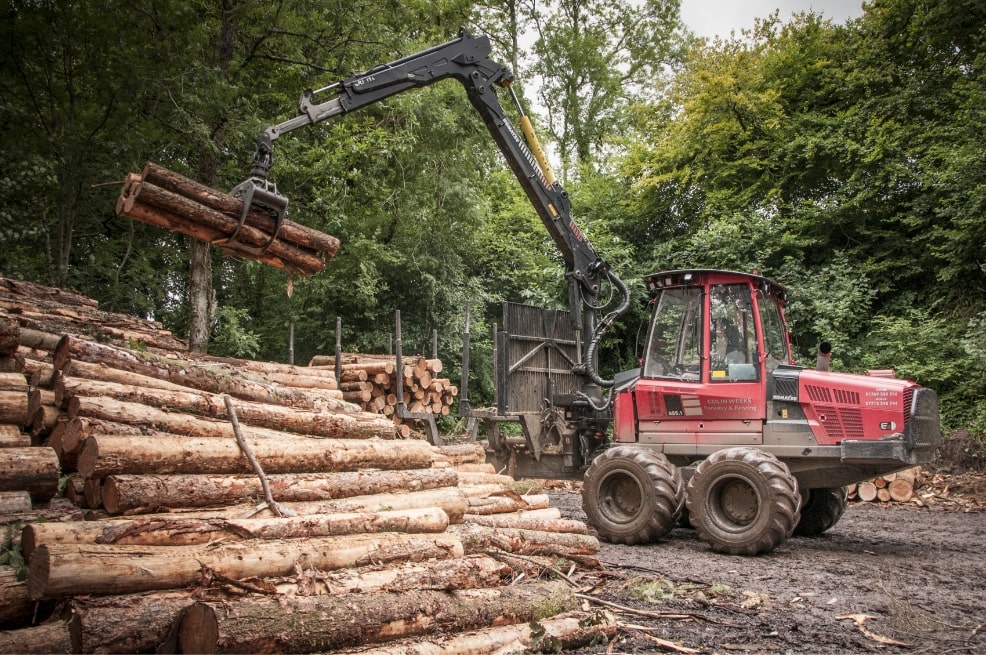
{"points": [[717, 425]]}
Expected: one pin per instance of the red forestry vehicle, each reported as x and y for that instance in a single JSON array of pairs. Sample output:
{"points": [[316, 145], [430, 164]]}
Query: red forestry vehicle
{"points": [[717, 419]]}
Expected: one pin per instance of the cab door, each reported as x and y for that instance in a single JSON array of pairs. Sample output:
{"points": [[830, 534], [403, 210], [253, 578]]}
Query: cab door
{"points": [[702, 379]]}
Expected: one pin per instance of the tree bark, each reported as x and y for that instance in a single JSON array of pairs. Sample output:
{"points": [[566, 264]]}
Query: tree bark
{"points": [[14, 501], [104, 455], [221, 202], [322, 623], [13, 407], [211, 377], [180, 531], [34, 470], [123, 493], [280, 418], [12, 437], [66, 570], [450, 499], [524, 521], [468, 572], [50, 637], [95, 624], [562, 633], [507, 503], [16, 607]]}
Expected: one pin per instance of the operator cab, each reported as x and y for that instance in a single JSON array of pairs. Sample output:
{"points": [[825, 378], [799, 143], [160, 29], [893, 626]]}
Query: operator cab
{"points": [[714, 337]]}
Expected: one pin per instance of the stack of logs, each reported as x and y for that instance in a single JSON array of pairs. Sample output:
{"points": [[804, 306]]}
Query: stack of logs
{"points": [[386, 537], [897, 487], [166, 199], [370, 381]]}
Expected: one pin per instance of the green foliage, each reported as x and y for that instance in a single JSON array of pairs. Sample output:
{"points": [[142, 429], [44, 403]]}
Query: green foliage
{"points": [[230, 336]]}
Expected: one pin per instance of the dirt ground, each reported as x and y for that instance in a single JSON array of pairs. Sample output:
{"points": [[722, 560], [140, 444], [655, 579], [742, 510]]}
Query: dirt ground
{"points": [[887, 578]]}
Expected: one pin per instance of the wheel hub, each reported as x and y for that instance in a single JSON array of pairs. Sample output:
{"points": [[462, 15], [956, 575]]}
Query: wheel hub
{"points": [[738, 501], [621, 498]]}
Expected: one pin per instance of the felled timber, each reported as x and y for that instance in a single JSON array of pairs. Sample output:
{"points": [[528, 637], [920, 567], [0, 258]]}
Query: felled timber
{"points": [[104, 455], [67, 569], [96, 625], [164, 198], [16, 607], [180, 531], [35, 470], [320, 623], [562, 633], [50, 637], [178, 407], [12, 437], [122, 493], [581, 548]]}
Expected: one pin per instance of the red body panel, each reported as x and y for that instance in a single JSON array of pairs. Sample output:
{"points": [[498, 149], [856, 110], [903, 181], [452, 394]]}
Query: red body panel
{"points": [[841, 406]]}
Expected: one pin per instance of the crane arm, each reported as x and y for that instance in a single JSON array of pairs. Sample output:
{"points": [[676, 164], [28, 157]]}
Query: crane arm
{"points": [[466, 60]]}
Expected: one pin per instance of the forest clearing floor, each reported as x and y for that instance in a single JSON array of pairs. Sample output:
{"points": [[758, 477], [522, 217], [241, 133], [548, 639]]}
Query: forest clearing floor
{"points": [[890, 578]]}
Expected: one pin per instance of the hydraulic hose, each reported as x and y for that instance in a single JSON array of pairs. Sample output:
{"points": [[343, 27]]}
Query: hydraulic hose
{"points": [[603, 327]]}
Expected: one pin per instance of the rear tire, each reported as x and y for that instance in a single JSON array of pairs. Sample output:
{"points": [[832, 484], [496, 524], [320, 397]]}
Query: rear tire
{"points": [[743, 501], [632, 496], [821, 510]]}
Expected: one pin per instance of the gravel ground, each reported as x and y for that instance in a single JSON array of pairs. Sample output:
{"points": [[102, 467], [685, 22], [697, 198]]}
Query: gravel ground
{"points": [[888, 578]]}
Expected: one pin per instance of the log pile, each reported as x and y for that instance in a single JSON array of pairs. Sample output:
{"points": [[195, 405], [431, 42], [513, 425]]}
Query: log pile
{"points": [[161, 197], [370, 381], [174, 544], [896, 487]]}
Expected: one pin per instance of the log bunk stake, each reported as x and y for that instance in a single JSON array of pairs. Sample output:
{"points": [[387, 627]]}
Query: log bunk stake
{"points": [[411, 542]]}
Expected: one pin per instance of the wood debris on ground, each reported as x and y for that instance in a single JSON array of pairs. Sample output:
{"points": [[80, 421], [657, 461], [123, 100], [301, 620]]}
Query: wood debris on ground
{"points": [[921, 487], [153, 535]]}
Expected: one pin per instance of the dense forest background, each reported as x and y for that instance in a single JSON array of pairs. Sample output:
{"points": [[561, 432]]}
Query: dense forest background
{"points": [[846, 161]]}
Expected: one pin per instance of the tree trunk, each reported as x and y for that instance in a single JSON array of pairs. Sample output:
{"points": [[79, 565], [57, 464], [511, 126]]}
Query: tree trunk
{"points": [[123, 493], [203, 403], [95, 623], [34, 470], [67, 570], [104, 455], [525, 521], [507, 503], [563, 633], [51, 637], [221, 202], [13, 407], [450, 499], [323, 623], [14, 501], [478, 538], [211, 377], [469, 572], [16, 607], [12, 437], [180, 531]]}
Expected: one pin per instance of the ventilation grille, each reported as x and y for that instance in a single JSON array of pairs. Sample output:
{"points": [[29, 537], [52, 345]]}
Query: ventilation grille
{"points": [[837, 396], [840, 422], [785, 388]]}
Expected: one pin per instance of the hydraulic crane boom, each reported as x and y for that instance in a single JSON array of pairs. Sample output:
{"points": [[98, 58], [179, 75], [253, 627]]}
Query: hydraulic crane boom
{"points": [[465, 59]]}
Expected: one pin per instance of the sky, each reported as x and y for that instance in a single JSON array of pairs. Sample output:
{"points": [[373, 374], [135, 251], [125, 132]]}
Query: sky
{"points": [[717, 17]]}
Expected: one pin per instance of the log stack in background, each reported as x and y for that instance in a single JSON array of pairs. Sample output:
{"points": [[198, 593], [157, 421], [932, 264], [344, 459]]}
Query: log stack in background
{"points": [[166, 199], [370, 381], [391, 536], [896, 487]]}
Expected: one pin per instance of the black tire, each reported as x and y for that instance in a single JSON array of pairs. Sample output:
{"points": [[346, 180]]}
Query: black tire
{"points": [[632, 495], [821, 509], [743, 501]]}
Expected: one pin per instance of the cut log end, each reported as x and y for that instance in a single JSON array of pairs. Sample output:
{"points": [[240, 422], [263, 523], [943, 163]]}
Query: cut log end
{"points": [[199, 631]]}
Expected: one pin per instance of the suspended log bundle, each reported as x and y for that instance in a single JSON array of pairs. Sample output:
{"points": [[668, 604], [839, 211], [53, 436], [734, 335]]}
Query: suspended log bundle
{"points": [[361, 518], [370, 381], [161, 197]]}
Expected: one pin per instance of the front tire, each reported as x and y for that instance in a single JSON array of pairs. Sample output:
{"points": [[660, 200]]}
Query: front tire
{"points": [[632, 495], [743, 501], [821, 510]]}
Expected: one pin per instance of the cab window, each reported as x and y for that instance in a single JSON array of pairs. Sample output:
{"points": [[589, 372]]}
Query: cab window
{"points": [[774, 334], [733, 334], [674, 346]]}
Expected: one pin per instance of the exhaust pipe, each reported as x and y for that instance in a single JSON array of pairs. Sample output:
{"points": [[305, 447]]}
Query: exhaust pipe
{"points": [[824, 356]]}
